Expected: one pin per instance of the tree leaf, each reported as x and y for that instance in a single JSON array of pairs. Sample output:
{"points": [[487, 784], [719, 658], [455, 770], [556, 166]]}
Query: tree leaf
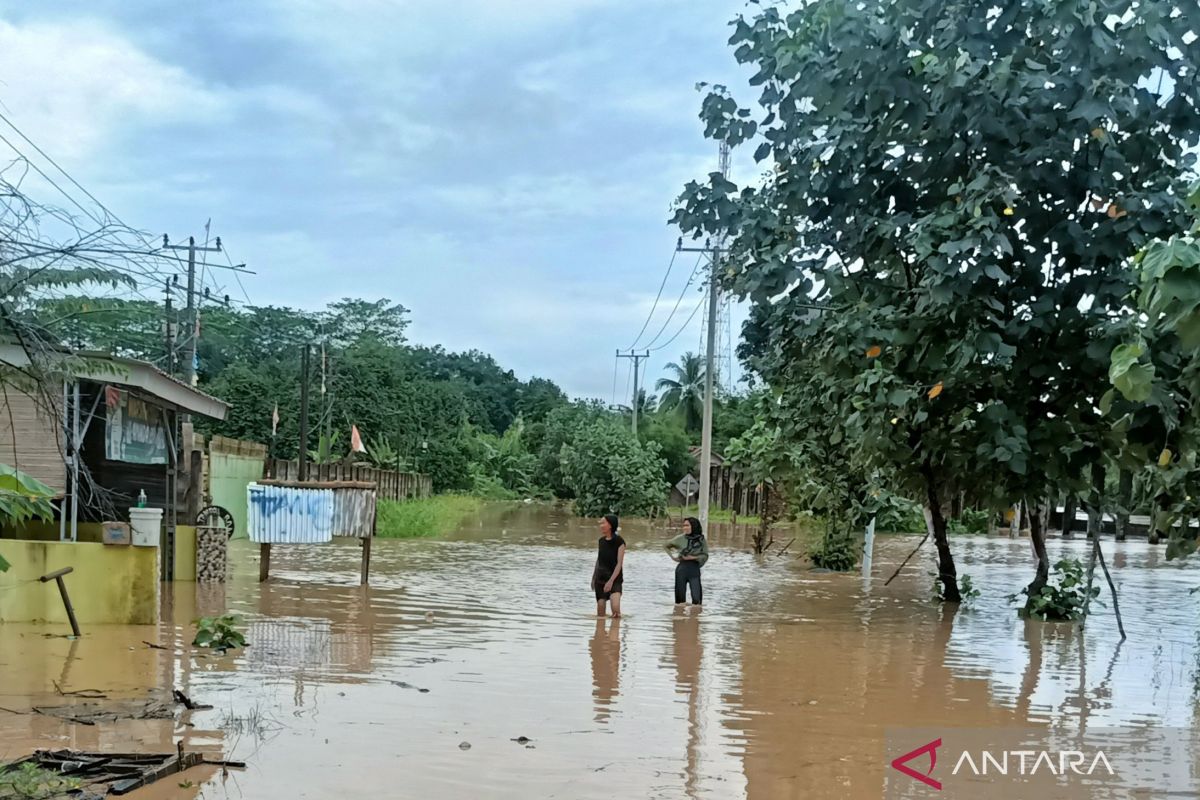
{"points": [[874, 351], [936, 390]]}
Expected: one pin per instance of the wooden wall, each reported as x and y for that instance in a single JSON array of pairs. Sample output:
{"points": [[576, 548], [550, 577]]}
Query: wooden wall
{"points": [[31, 437], [390, 485]]}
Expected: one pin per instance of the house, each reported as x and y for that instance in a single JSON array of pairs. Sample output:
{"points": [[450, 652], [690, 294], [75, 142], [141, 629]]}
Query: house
{"points": [[99, 432]]}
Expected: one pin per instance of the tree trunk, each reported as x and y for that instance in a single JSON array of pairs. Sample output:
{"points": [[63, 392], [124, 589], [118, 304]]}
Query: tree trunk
{"points": [[1095, 498], [1037, 535], [1126, 501], [1070, 505], [936, 521], [1156, 520]]}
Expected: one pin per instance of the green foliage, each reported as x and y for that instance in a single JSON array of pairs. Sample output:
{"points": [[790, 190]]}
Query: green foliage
{"points": [[966, 589], [1063, 598], [23, 497], [559, 430], [383, 455], [219, 633], [897, 514], [839, 551], [674, 444], [327, 451], [1156, 378], [501, 466], [942, 199], [433, 516], [971, 521], [30, 782], [683, 390], [610, 471]]}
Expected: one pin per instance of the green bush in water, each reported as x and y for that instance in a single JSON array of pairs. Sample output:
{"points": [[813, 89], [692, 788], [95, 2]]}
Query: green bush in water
{"points": [[838, 552], [971, 521], [1060, 600], [431, 516]]}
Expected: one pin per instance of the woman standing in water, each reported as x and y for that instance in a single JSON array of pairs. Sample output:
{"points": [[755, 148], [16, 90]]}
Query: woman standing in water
{"points": [[609, 574], [693, 554]]}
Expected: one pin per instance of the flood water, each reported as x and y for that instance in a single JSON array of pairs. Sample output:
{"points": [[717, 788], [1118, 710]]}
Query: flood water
{"points": [[783, 687]]}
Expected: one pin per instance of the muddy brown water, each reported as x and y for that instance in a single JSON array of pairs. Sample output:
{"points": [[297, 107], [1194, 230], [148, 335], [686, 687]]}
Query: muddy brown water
{"points": [[783, 687]]}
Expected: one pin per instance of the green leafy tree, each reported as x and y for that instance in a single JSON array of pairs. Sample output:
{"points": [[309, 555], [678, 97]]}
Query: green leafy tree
{"points": [[609, 471], [674, 445], [683, 389], [1155, 375], [940, 247]]}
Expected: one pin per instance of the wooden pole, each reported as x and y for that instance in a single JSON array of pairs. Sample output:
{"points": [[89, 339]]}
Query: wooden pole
{"points": [[366, 559], [264, 562], [57, 577]]}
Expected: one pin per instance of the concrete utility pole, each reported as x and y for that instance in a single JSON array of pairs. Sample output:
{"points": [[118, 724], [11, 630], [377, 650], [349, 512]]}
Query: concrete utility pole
{"points": [[714, 250], [169, 330], [302, 456], [637, 360], [193, 317]]}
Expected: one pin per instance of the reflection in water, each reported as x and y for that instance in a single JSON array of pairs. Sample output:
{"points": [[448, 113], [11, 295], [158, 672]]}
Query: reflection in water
{"points": [[688, 651], [785, 687], [605, 648]]}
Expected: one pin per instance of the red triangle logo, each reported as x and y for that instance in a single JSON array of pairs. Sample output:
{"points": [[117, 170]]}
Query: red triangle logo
{"points": [[926, 777]]}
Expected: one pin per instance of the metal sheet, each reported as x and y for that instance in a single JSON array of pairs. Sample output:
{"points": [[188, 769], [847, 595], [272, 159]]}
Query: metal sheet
{"points": [[279, 515], [354, 513]]}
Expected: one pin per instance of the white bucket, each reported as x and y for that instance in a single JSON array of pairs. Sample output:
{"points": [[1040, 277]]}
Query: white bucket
{"points": [[146, 526]]}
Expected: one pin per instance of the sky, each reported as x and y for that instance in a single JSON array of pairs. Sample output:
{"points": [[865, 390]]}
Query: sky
{"points": [[503, 168]]}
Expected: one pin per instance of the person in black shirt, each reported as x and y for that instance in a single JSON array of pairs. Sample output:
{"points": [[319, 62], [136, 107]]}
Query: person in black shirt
{"points": [[609, 574]]}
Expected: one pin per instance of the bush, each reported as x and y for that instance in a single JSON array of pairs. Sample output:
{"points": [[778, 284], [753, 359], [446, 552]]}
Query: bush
{"points": [[971, 521], [673, 443], [433, 516], [966, 589], [838, 551], [219, 633], [609, 471], [1062, 602]]}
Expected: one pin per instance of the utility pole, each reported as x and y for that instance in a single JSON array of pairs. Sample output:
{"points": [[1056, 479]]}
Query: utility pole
{"points": [[193, 318], [302, 471], [714, 250], [637, 360], [169, 329]]}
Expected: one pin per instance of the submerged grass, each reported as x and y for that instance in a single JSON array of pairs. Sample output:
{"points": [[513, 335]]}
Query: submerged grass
{"points": [[433, 516]]}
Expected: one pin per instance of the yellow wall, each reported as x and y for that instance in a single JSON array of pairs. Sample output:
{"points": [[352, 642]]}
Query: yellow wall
{"points": [[110, 584], [39, 531], [185, 553]]}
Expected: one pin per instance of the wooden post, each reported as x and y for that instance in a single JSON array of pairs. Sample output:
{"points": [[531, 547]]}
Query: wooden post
{"points": [[57, 577], [264, 562], [366, 559]]}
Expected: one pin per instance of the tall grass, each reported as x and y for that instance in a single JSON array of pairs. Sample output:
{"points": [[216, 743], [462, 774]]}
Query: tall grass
{"points": [[433, 516]]}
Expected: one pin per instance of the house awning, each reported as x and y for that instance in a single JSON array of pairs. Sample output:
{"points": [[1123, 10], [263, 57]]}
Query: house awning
{"points": [[125, 372]]}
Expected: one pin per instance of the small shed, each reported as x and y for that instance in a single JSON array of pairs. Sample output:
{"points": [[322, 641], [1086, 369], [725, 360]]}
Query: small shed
{"points": [[110, 432]]}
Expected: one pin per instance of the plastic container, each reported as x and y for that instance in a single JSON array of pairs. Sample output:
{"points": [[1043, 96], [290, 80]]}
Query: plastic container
{"points": [[146, 525]]}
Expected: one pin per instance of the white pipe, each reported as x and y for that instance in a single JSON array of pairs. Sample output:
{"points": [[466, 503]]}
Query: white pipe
{"points": [[868, 547]]}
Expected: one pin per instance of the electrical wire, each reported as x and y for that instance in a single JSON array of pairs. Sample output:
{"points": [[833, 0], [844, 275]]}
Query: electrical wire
{"points": [[678, 300], [681, 330], [657, 297]]}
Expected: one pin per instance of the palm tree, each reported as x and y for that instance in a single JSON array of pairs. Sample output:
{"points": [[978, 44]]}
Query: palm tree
{"points": [[646, 403], [684, 391]]}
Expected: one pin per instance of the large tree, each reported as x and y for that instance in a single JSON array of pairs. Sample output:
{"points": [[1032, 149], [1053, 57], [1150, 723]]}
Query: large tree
{"points": [[941, 243]]}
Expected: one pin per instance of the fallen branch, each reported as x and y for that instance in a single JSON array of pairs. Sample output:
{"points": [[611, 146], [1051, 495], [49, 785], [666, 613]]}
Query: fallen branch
{"points": [[155, 646], [63, 717], [785, 547], [226, 764], [1111, 587], [14, 711], [906, 560], [188, 703], [86, 694]]}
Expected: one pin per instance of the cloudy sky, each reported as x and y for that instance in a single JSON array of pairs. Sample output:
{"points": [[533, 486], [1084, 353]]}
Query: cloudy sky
{"points": [[503, 168]]}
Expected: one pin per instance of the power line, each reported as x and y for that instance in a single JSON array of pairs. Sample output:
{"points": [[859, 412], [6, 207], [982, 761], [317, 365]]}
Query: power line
{"points": [[691, 317], [657, 297], [678, 300]]}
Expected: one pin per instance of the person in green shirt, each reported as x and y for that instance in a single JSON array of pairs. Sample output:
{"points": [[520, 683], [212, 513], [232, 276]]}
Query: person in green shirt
{"points": [[692, 549]]}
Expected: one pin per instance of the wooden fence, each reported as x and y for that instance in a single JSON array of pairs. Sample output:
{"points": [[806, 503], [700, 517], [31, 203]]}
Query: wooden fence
{"points": [[390, 485], [729, 491]]}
